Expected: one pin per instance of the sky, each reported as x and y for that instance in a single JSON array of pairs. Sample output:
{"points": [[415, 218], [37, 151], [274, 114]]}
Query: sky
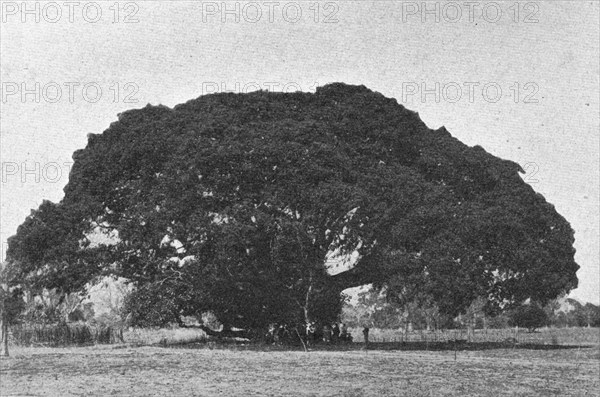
{"points": [[520, 79]]}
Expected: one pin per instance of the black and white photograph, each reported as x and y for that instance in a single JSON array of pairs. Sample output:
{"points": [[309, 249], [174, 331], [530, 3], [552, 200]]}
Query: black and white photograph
{"points": [[299, 198]]}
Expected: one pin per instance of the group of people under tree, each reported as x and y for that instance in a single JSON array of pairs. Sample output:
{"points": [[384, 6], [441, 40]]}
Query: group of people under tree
{"points": [[314, 333]]}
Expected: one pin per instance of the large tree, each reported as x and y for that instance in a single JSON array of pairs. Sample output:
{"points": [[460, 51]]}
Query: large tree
{"points": [[233, 203]]}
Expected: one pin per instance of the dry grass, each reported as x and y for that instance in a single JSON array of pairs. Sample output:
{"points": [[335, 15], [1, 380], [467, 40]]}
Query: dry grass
{"points": [[202, 369], [544, 336], [163, 336]]}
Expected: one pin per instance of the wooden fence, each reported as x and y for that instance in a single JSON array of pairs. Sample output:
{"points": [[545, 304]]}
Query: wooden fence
{"points": [[63, 334]]}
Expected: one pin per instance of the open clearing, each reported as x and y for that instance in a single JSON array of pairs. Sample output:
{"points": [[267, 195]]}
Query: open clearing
{"points": [[199, 370]]}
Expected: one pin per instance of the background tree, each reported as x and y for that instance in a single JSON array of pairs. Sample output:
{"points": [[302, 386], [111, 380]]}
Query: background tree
{"points": [[231, 204], [11, 306], [371, 309], [572, 313], [592, 315], [530, 316]]}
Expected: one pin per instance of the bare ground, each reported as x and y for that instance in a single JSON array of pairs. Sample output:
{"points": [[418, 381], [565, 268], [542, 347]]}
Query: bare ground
{"points": [[198, 370]]}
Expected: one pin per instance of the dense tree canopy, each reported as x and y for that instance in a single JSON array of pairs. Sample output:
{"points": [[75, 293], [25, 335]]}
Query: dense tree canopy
{"points": [[531, 317], [232, 203]]}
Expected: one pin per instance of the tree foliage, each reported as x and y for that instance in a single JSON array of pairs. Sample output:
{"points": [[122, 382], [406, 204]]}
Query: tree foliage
{"points": [[232, 203], [573, 314], [529, 316], [375, 309]]}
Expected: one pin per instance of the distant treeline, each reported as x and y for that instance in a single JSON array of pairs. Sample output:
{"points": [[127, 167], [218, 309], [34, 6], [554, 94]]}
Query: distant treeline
{"points": [[374, 311]]}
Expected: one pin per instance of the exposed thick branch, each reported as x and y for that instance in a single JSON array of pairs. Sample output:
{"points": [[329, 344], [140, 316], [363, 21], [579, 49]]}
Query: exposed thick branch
{"points": [[354, 277], [225, 333]]}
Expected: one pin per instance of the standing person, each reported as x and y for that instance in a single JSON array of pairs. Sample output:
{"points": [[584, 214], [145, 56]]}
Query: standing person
{"points": [[310, 333], [344, 333], [327, 334], [278, 335], [335, 333], [270, 335], [366, 335], [286, 335]]}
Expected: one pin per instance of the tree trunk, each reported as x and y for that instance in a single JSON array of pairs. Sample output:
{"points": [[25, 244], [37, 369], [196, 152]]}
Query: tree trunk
{"points": [[301, 340], [306, 306], [4, 331]]}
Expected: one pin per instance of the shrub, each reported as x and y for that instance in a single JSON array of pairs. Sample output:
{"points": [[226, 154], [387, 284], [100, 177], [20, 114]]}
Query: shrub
{"points": [[528, 316], [63, 334], [152, 306]]}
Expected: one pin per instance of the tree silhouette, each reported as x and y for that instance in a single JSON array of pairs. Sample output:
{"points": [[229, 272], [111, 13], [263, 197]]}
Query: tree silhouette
{"points": [[232, 203]]}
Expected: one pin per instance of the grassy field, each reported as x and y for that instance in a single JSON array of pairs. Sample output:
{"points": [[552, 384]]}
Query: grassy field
{"points": [[386, 369], [544, 336]]}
